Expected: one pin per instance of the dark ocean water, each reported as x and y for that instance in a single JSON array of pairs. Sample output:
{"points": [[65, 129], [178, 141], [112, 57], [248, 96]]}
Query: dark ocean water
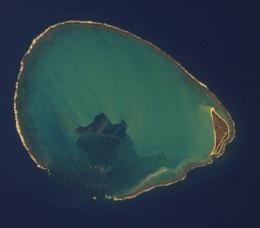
{"points": [[217, 43]]}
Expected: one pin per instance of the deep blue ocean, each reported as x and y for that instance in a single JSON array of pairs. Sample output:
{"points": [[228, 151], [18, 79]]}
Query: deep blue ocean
{"points": [[218, 43]]}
